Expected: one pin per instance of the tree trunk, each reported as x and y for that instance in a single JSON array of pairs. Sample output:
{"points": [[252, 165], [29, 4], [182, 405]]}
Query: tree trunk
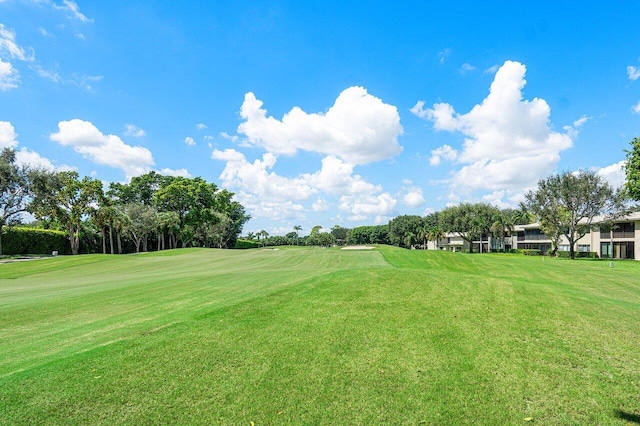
{"points": [[111, 238], [144, 244], [1, 239], [104, 240], [572, 250], [74, 239], [119, 243]]}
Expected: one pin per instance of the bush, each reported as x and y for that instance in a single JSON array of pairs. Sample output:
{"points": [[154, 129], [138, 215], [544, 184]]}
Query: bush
{"points": [[578, 254], [531, 252], [246, 244], [20, 240]]}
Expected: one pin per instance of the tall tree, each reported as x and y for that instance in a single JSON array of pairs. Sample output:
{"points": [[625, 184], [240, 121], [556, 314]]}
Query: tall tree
{"points": [[64, 197], [423, 232], [141, 190], [632, 170], [14, 190], [503, 223], [194, 200], [297, 230], [401, 225], [570, 202], [436, 234], [409, 239], [339, 234], [467, 220], [142, 222]]}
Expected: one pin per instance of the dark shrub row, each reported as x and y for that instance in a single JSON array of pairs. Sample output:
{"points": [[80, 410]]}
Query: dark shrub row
{"points": [[34, 241]]}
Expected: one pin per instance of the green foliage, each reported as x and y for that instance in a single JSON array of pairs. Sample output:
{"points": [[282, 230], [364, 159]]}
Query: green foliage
{"points": [[66, 198], [378, 234], [23, 240], [14, 190], [340, 234], [632, 170], [578, 254], [569, 202], [323, 239], [246, 244], [469, 221], [531, 252], [401, 226]]}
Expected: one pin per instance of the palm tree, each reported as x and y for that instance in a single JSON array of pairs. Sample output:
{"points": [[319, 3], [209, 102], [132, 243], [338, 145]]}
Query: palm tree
{"points": [[436, 234], [264, 234], [478, 227], [101, 218], [503, 223], [522, 216], [297, 228], [423, 232], [409, 238]]}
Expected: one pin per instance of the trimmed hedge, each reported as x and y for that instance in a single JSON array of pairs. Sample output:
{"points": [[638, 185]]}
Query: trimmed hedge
{"points": [[19, 240], [246, 244], [578, 254], [531, 252]]}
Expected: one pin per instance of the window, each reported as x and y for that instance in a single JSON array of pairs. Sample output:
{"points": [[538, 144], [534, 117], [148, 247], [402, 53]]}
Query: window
{"points": [[563, 247], [584, 247], [624, 230]]}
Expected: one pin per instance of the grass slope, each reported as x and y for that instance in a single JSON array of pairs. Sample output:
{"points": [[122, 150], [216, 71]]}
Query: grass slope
{"points": [[312, 336]]}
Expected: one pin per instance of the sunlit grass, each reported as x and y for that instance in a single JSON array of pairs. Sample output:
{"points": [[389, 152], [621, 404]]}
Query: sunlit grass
{"points": [[318, 336]]}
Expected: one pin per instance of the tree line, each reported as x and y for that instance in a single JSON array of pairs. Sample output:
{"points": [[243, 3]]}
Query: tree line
{"points": [[152, 211]]}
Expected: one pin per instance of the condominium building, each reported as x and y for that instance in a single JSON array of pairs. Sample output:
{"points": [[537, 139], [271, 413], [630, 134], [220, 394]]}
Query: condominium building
{"points": [[617, 240]]}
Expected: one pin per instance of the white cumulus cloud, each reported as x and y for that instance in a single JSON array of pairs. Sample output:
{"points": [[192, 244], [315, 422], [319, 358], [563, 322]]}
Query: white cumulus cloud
{"points": [[414, 197], [445, 152], [508, 141], [175, 172], [189, 141], [8, 136], [614, 174], [358, 128], [109, 150], [633, 73], [257, 185], [636, 108], [24, 156]]}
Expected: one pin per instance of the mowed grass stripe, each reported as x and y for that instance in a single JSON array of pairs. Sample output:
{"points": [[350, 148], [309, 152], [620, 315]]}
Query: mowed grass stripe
{"points": [[437, 338], [67, 307]]}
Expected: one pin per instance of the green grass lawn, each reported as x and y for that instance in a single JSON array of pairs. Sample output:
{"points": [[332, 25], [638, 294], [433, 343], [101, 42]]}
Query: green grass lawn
{"points": [[319, 336]]}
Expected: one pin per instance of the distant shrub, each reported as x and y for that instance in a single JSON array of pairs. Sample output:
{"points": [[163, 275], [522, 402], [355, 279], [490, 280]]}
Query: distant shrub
{"points": [[21, 240], [246, 244], [578, 254], [531, 252]]}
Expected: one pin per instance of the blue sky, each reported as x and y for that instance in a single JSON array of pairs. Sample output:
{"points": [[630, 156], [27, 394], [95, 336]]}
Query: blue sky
{"points": [[344, 113]]}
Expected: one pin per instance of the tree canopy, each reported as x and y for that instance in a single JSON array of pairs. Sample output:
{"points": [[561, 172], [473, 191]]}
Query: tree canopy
{"points": [[568, 203]]}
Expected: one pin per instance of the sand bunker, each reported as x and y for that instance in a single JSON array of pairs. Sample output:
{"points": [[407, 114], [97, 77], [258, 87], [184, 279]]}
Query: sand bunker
{"points": [[357, 248]]}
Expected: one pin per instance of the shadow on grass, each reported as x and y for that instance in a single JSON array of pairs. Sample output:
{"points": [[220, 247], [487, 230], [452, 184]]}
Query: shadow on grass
{"points": [[630, 417]]}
